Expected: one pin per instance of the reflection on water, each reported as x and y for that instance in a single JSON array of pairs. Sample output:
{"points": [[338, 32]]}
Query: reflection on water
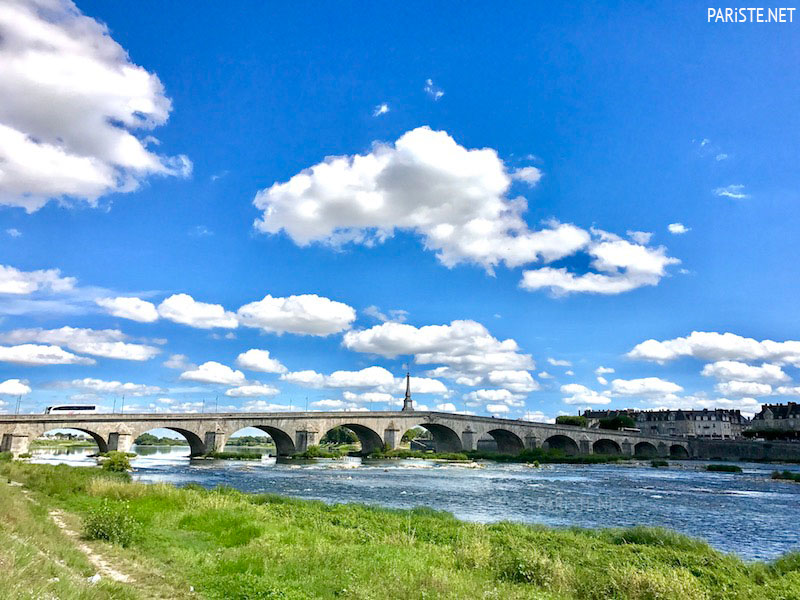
{"points": [[747, 513]]}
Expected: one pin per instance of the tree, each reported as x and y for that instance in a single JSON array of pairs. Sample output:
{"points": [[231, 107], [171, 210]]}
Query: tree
{"points": [[415, 433], [572, 420], [339, 435], [617, 422]]}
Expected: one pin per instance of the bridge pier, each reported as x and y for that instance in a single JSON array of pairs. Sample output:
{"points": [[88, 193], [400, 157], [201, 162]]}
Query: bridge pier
{"points": [[214, 441], [16, 443], [391, 437], [303, 439], [663, 450], [627, 447], [469, 439], [119, 441], [585, 445], [531, 442]]}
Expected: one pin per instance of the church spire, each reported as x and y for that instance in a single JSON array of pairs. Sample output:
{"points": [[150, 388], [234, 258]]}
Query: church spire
{"points": [[408, 403]]}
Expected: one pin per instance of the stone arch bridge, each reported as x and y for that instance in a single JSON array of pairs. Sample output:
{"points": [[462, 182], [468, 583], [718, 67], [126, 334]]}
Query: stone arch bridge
{"points": [[294, 432]]}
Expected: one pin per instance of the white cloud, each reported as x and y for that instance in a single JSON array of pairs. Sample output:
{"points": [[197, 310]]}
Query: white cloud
{"points": [[307, 378], [329, 404], [16, 282], [602, 380], [545, 375], [72, 100], [107, 343], [98, 386], [601, 370], [369, 377], [521, 382], [432, 89], [677, 228], [445, 407], [464, 347], [259, 360], [381, 109], [454, 197], [179, 362], [307, 314], [214, 372], [576, 393], [35, 355], [743, 388], [252, 391], [622, 266], [14, 387], [13, 232], [367, 397], [569, 372], [713, 346], [538, 417], [183, 309], [497, 409], [478, 397], [558, 363], [394, 316], [732, 191], [646, 386], [728, 370], [264, 406], [530, 175], [786, 390], [134, 309], [721, 156], [640, 237]]}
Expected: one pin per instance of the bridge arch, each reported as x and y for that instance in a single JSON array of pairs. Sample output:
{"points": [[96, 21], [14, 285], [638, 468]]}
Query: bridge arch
{"points": [[444, 438], [369, 438], [606, 446], [564, 443], [284, 444], [645, 449], [678, 451], [197, 446], [102, 443], [508, 442]]}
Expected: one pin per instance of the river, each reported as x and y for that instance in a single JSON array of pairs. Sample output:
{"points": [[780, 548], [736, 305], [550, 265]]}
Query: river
{"points": [[747, 513]]}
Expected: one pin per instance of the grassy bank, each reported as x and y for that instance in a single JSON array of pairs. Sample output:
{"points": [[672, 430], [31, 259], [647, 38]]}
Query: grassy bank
{"points": [[225, 544]]}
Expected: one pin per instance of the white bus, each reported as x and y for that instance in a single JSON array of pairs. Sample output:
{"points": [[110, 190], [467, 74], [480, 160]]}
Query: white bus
{"points": [[70, 409]]}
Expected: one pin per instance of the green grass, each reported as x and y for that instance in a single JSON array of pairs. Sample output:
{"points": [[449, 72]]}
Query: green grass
{"points": [[234, 546], [403, 453], [786, 475], [724, 468], [321, 452], [234, 455], [548, 456], [659, 463]]}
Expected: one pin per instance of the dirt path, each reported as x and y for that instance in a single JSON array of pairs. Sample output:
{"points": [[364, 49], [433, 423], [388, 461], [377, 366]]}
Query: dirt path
{"points": [[102, 566]]}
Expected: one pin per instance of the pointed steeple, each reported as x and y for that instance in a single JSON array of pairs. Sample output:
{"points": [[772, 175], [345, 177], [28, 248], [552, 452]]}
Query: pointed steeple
{"points": [[408, 403]]}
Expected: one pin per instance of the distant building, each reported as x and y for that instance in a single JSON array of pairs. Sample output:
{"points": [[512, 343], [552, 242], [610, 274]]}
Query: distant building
{"points": [[717, 423], [777, 420]]}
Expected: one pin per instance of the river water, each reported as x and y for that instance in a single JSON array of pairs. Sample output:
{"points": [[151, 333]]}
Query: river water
{"points": [[747, 513]]}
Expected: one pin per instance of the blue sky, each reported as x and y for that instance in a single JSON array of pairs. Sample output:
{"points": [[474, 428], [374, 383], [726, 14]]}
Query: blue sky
{"points": [[163, 166]]}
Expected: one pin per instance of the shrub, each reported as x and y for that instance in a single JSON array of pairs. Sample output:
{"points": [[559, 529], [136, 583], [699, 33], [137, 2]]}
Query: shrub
{"points": [[659, 463], [112, 523], [724, 468], [6, 456], [534, 567], [317, 452], [571, 420], [617, 422], [116, 462], [787, 475]]}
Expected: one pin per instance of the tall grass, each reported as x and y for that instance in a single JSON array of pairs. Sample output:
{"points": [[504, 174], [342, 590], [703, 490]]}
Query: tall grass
{"points": [[231, 545]]}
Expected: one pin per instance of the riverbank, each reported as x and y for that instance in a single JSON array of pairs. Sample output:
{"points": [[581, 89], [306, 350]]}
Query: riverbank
{"points": [[227, 544]]}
